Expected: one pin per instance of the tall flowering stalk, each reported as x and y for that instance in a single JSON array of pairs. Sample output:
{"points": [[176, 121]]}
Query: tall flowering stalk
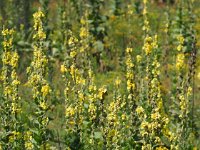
{"points": [[96, 112], [38, 72], [73, 94], [112, 128], [184, 93], [11, 135], [131, 100], [153, 120], [118, 121]]}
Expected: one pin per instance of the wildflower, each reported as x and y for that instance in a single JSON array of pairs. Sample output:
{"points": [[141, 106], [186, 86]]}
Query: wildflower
{"points": [[73, 54], [101, 93], [43, 105], [180, 61], [37, 71], [10, 89], [45, 90], [123, 116], [69, 111], [63, 69], [138, 58], [83, 33], [155, 115], [117, 82], [38, 25], [181, 39], [28, 140], [139, 110], [129, 50]]}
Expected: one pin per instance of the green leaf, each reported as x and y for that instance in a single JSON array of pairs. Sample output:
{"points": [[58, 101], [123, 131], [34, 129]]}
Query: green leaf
{"points": [[98, 135]]}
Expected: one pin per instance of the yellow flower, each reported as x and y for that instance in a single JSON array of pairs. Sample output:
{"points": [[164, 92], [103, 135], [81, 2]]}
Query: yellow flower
{"points": [[102, 91], [129, 50], [83, 32], [15, 82], [81, 96], [63, 69], [179, 48], [73, 54], [198, 75], [43, 105], [155, 115], [139, 110], [138, 58], [144, 124], [117, 82], [123, 116], [83, 22], [45, 121], [181, 39], [130, 85], [14, 59], [144, 1], [180, 61], [69, 111], [28, 140], [45, 90]]}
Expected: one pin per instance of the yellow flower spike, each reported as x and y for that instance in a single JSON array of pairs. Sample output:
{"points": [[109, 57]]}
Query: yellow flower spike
{"points": [[38, 25], [14, 60], [10, 87]]}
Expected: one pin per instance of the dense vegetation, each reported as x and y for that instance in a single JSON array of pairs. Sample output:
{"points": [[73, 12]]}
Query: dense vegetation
{"points": [[99, 74]]}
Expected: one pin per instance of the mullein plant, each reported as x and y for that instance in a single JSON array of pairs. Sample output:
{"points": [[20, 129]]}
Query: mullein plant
{"points": [[182, 95], [131, 100], [183, 91], [112, 128], [154, 122], [72, 112], [96, 111], [75, 84], [125, 126], [84, 101], [179, 59], [95, 95], [37, 74], [192, 66], [118, 121], [11, 133]]}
